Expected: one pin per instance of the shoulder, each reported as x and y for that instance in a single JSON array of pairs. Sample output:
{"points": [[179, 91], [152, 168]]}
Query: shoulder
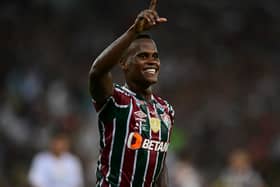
{"points": [[121, 90], [42, 159], [42, 156], [72, 158], [164, 104], [72, 161], [121, 95], [119, 98]]}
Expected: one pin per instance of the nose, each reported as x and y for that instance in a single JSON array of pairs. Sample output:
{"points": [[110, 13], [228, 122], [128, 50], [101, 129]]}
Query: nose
{"points": [[153, 60]]}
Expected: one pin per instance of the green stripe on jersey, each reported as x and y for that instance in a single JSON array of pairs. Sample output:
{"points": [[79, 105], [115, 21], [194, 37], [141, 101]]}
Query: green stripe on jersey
{"points": [[109, 112], [101, 134], [141, 161], [118, 143], [164, 137]]}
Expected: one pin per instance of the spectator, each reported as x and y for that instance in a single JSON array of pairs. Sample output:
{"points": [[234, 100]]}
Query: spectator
{"points": [[56, 167], [185, 174], [239, 172]]}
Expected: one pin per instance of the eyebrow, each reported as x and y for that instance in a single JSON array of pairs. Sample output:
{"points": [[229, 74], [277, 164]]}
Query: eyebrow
{"points": [[146, 52]]}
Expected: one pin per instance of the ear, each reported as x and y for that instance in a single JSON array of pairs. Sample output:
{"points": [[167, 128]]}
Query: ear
{"points": [[123, 64]]}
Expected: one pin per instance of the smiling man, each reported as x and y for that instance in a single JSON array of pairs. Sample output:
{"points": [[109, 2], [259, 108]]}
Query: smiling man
{"points": [[134, 124]]}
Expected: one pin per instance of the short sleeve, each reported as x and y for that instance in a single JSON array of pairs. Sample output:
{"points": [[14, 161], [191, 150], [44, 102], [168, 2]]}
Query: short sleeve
{"points": [[120, 98]]}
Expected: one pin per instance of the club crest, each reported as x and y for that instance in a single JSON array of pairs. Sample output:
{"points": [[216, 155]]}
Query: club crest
{"points": [[166, 119], [160, 107]]}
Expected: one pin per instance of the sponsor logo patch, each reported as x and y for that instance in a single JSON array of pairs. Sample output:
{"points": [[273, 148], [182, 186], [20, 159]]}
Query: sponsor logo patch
{"points": [[135, 141], [140, 114]]}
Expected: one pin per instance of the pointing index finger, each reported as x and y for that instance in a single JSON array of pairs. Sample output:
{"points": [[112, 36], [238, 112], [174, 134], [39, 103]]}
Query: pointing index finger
{"points": [[153, 5]]}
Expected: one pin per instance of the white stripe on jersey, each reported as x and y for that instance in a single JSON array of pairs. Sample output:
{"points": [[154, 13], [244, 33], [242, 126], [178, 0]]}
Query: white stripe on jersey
{"points": [[111, 148], [155, 169], [126, 135], [135, 163], [148, 156]]}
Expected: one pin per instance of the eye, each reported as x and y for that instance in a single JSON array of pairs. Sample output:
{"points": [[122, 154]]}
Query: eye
{"points": [[155, 56], [143, 56]]}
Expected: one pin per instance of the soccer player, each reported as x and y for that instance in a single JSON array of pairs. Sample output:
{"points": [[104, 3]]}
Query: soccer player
{"points": [[134, 124]]}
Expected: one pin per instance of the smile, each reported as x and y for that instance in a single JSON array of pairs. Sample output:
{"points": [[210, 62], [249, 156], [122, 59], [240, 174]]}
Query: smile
{"points": [[150, 70]]}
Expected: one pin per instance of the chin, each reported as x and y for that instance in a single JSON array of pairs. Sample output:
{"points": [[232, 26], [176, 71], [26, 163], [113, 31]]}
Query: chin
{"points": [[152, 81], [148, 81]]}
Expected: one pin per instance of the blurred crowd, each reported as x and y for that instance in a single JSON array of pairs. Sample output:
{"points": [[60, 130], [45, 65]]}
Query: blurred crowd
{"points": [[220, 70]]}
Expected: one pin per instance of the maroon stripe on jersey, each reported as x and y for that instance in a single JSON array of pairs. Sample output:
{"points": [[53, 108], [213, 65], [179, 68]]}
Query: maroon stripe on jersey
{"points": [[105, 153], [153, 154], [121, 97], [151, 168], [129, 156], [127, 170], [104, 183]]}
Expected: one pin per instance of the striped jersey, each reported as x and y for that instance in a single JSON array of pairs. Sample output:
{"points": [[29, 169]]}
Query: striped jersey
{"points": [[134, 138]]}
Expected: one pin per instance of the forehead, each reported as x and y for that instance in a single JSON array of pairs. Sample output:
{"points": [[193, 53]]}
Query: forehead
{"points": [[143, 44]]}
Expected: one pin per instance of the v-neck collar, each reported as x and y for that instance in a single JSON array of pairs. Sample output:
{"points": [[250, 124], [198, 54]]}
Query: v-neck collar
{"points": [[138, 96]]}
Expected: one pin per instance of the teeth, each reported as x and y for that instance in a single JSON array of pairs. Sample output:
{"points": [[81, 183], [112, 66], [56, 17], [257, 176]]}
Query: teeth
{"points": [[150, 70]]}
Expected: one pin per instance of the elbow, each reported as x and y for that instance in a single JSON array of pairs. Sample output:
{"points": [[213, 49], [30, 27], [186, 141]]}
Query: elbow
{"points": [[91, 77], [98, 69], [94, 72]]}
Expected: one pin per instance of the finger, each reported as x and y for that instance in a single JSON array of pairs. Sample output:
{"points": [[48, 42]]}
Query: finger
{"points": [[151, 18], [153, 13], [161, 20], [148, 18], [141, 25], [153, 5]]}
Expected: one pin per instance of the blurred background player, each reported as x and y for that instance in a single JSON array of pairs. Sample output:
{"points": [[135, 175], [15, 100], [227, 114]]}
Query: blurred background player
{"points": [[184, 172], [56, 167]]}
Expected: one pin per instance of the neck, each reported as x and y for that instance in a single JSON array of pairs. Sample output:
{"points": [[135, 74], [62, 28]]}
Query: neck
{"points": [[57, 154], [144, 92]]}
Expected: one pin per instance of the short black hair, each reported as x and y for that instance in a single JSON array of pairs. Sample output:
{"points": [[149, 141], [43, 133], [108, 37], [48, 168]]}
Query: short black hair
{"points": [[140, 36]]}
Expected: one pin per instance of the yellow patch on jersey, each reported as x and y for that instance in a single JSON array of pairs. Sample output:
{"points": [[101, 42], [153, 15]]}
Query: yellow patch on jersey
{"points": [[155, 124]]}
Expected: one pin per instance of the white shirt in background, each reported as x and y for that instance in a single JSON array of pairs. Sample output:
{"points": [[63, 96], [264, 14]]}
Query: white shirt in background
{"points": [[50, 171]]}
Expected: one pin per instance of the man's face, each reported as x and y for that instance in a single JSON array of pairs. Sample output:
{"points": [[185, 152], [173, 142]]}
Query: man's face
{"points": [[142, 63], [59, 145]]}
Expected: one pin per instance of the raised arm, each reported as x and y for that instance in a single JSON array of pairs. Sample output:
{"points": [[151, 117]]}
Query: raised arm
{"points": [[100, 79]]}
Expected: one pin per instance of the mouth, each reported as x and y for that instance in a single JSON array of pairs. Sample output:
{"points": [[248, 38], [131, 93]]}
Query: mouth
{"points": [[150, 70]]}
